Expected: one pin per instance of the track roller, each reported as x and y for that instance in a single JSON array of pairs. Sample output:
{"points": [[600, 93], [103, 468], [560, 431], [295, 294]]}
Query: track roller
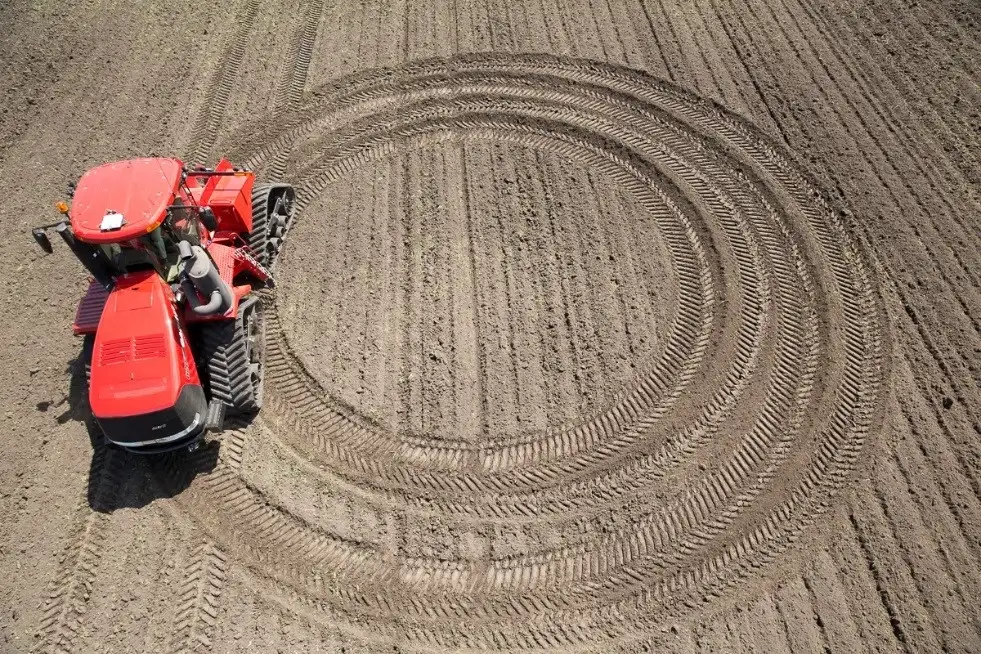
{"points": [[273, 209]]}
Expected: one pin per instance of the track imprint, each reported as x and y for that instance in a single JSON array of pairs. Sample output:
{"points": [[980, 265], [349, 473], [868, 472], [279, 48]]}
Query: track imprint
{"points": [[483, 229]]}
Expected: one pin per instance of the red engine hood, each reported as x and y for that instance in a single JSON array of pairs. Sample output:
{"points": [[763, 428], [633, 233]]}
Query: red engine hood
{"points": [[141, 358]]}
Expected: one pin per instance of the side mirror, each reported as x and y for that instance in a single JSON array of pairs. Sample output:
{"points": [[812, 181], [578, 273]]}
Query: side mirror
{"points": [[41, 237]]}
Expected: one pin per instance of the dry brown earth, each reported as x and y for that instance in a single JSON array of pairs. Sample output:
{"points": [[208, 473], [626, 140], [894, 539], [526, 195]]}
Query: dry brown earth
{"points": [[622, 326]]}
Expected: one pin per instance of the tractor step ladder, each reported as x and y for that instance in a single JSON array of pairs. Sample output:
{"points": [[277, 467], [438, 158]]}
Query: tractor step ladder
{"points": [[215, 420], [242, 254]]}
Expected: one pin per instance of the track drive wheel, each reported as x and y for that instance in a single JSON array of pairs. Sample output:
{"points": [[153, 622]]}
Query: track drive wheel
{"points": [[232, 354], [273, 209]]}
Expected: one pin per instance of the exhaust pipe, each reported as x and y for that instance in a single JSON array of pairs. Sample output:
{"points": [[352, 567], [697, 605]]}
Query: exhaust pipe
{"points": [[203, 278]]}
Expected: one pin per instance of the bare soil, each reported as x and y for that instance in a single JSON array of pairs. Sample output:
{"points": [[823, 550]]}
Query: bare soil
{"points": [[605, 327]]}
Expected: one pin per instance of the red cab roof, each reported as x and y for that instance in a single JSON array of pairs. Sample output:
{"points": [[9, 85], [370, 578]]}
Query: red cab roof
{"points": [[134, 192]]}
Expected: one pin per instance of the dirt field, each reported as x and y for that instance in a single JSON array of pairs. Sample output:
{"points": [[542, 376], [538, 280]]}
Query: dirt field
{"points": [[623, 326]]}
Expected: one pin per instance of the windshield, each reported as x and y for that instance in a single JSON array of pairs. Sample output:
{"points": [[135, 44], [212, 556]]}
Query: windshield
{"points": [[111, 250], [184, 222]]}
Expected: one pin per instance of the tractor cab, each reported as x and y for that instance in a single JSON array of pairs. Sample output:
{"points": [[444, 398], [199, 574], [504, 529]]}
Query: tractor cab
{"points": [[132, 215]]}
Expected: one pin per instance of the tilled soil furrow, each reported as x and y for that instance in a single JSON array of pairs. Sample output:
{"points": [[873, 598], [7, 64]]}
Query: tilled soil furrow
{"points": [[615, 287], [715, 58], [805, 631], [933, 334], [69, 592], [749, 56], [664, 31], [899, 194], [895, 142], [493, 297], [712, 636], [943, 596], [532, 380], [605, 35], [733, 72], [763, 627], [642, 21], [938, 142], [923, 453], [511, 317], [565, 308], [831, 610], [910, 621], [867, 597], [702, 77], [208, 122], [504, 30], [633, 49], [935, 556], [546, 276], [470, 296], [945, 60]]}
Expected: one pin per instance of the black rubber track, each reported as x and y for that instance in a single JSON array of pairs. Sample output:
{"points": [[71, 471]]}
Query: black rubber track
{"points": [[224, 350]]}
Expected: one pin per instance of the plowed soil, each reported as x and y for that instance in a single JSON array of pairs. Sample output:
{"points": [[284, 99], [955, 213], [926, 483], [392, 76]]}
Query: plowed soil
{"points": [[621, 326]]}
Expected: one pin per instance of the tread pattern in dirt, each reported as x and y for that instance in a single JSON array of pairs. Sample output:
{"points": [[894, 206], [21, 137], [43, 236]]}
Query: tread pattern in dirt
{"points": [[774, 356]]}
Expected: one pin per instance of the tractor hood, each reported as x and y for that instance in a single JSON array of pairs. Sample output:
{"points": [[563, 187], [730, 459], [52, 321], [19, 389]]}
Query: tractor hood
{"points": [[123, 200], [141, 360]]}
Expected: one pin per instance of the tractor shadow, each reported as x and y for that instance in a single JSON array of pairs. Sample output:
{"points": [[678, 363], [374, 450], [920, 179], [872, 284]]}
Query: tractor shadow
{"points": [[118, 479], [77, 405]]}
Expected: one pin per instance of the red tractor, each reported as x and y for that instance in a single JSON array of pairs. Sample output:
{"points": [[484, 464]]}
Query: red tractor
{"points": [[171, 321]]}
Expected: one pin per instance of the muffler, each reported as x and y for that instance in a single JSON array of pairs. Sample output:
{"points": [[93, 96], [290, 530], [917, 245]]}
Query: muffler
{"points": [[204, 281]]}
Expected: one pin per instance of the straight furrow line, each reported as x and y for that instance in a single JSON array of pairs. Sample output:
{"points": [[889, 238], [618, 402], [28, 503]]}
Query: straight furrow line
{"points": [[213, 110], [69, 592], [291, 88]]}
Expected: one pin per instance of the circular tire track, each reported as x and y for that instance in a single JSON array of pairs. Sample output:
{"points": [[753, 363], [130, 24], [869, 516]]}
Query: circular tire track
{"points": [[772, 364]]}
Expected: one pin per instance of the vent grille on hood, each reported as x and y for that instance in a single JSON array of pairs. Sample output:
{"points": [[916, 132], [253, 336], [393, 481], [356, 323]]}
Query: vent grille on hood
{"points": [[116, 351], [150, 347], [121, 350]]}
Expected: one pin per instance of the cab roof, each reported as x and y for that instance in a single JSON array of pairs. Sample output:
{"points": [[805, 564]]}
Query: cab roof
{"points": [[125, 199]]}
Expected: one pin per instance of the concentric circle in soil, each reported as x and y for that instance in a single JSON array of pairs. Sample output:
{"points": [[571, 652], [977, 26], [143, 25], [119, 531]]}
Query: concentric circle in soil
{"points": [[558, 350], [476, 291]]}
